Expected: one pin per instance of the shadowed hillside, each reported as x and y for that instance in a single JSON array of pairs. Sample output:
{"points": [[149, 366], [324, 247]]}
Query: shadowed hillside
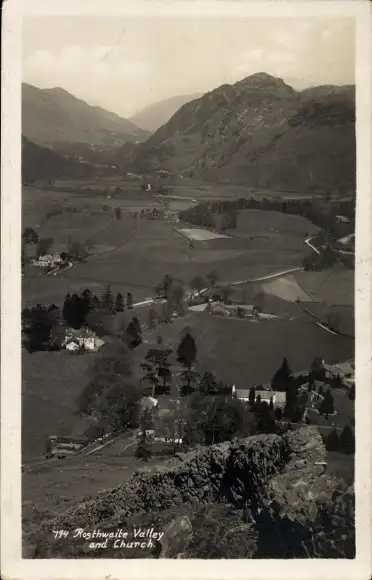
{"points": [[44, 164], [261, 132], [53, 116]]}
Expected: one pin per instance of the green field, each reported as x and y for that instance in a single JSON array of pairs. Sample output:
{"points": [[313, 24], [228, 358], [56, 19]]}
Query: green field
{"points": [[134, 256], [246, 353], [51, 382]]}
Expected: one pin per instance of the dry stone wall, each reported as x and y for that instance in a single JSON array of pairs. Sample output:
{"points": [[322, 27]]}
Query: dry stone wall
{"points": [[252, 473]]}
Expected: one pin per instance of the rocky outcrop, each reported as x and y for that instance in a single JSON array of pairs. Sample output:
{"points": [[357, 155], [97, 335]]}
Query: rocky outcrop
{"points": [[271, 477], [176, 537], [263, 133]]}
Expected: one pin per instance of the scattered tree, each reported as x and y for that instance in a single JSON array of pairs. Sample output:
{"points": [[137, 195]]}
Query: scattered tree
{"points": [[332, 441], [278, 414], [29, 236], [119, 302], [252, 395], [107, 300], [317, 371], [178, 294], [158, 290], [186, 351], [129, 300], [326, 407], [167, 284], [282, 376], [134, 333], [37, 325]]}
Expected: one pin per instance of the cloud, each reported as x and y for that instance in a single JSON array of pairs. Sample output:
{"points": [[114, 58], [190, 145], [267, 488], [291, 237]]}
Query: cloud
{"points": [[39, 60]]}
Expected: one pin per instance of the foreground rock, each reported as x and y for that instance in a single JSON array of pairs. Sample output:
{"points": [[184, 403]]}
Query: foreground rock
{"points": [[272, 478], [176, 537]]}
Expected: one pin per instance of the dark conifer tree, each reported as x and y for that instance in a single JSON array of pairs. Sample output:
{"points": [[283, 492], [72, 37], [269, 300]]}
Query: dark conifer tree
{"points": [[37, 327], [67, 309], [134, 333], [282, 375], [119, 302], [96, 303], [186, 351], [129, 300], [86, 302], [347, 439], [107, 299], [77, 311], [252, 395]]}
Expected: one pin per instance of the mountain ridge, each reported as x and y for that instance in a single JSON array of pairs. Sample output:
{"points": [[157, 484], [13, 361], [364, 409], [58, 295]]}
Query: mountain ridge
{"points": [[54, 115], [155, 115], [261, 132]]}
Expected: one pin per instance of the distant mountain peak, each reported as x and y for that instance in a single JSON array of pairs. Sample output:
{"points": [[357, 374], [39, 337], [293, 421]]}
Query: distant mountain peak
{"points": [[157, 114], [262, 132]]}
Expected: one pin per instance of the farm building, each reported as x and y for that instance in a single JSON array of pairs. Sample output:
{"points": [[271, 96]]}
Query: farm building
{"points": [[57, 446], [344, 370], [82, 339], [168, 427], [266, 395], [48, 260]]}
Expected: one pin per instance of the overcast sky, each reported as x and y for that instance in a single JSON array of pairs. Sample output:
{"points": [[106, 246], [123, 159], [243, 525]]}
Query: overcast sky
{"points": [[125, 64]]}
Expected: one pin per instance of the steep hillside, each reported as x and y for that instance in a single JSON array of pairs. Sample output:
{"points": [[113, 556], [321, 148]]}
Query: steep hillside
{"points": [[54, 115], [269, 478], [44, 164], [154, 116], [261, 132]]}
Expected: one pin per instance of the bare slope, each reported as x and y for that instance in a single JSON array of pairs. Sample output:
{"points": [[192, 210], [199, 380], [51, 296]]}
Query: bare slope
{"points": [[261, 132], [154, 116]]}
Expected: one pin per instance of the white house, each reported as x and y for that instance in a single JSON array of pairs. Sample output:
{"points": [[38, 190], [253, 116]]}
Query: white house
{"points": [[48, 260], [82, 338], [266, 395]]}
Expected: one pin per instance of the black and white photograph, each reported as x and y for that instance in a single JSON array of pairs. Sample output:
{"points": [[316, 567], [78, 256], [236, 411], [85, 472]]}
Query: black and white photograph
{"points": [[188, 257]]}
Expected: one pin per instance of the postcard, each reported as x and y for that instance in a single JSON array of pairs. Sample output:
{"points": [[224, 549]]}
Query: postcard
{"points": [[186, 290]]}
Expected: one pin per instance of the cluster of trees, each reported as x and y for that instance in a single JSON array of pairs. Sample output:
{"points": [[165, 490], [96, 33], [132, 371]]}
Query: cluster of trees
{"points": [[344, 442], [283, 380], [199, 282], [217, 215], [41, 328], [111, 393], [210, 419], [172, 290], [78, 307], [157, 370], [75, 250], [323, 216]]}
